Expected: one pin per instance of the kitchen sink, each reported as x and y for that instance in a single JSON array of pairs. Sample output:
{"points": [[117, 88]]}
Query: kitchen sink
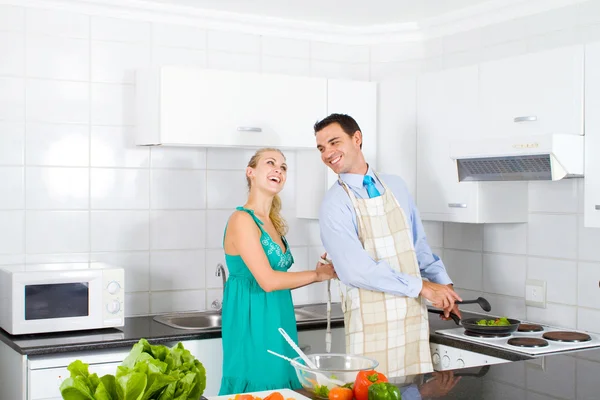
{"points": [[211, 320]]}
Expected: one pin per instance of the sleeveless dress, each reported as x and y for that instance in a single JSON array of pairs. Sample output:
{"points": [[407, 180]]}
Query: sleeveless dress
{"points": [[250, 322]]}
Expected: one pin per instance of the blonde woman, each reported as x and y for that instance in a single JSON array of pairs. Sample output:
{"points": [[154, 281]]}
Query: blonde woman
{"points": [[257, 298]]}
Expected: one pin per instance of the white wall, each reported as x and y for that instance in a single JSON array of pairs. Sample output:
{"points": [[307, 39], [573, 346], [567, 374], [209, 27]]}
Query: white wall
{"points": [[74, 189], [495, 260]]}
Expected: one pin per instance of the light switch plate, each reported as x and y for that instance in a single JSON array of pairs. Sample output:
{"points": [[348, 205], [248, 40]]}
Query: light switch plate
{"points": [[535, 293]]}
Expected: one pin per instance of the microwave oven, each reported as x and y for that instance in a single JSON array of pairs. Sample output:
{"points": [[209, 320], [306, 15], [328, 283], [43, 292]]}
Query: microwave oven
{"points": [[41, 301]]}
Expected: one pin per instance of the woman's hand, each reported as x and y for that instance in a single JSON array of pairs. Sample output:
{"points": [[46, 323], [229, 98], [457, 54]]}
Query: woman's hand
{"points": [[325, 271]]}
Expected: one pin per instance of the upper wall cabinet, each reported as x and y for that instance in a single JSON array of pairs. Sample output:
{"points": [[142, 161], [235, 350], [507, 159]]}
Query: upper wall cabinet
{"points": [[184, 106], [448, 110], [538, 93], [357, 99], [591, 211]]}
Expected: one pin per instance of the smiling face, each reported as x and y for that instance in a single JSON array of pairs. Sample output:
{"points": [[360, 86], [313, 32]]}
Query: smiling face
{"points": [[267, 171], [340, 151]]}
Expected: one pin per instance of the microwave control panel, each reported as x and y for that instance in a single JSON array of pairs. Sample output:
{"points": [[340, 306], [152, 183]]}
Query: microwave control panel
{"points": [[113, 296]]}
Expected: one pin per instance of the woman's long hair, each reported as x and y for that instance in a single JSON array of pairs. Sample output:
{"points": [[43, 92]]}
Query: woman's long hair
{"points": [[275, 213]]}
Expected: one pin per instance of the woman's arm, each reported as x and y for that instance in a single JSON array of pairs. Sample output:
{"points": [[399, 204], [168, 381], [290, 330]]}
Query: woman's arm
{"points": [[245, 237]]}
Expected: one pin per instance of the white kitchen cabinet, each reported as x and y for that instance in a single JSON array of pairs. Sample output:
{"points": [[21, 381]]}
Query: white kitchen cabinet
{"points": [[447, 111], [185, 106], [537, 93], [591, 207], [357, 99]]}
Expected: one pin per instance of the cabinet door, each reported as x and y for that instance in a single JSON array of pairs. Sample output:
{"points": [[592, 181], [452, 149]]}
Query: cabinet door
{"points": [[224, 108], [591, 213], [537, 93], [447, 109]]}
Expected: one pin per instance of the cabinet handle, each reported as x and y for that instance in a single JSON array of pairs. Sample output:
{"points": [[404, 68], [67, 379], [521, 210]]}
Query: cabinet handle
{"points": [[598, 207], [526, 119], [457, 205], [249, 129]]}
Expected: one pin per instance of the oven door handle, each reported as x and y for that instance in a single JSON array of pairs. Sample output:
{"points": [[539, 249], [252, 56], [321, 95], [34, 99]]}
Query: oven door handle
{"points": [[452, 315], [484, 370]]}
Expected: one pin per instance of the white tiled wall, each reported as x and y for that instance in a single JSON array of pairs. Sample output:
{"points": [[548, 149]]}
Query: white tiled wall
{"points": [[74, 188]]}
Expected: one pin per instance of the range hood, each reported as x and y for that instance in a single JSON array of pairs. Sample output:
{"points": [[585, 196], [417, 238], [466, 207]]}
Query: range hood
{"points": [[531, 158]]}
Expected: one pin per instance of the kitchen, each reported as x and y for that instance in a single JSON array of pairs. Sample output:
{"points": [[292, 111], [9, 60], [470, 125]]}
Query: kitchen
{"points": [[76, 190]]}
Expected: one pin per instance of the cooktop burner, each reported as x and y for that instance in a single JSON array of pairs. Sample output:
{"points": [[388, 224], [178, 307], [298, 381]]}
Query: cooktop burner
{"points": [[565, 336], [530, 328], [487, 335], [527, 342]]}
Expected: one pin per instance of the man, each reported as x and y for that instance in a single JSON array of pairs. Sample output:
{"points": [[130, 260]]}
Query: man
{"points": [[372, 231]]}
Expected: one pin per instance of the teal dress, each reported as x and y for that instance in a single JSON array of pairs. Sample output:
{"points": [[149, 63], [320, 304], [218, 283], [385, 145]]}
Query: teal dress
{"points": [[251, 319]]}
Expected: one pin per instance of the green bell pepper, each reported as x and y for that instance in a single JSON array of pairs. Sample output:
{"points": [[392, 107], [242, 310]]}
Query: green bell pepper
{"points": [[384, 391]]}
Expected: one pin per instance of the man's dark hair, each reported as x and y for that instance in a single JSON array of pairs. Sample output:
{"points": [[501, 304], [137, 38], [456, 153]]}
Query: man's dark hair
{"points": [[347, 123]]}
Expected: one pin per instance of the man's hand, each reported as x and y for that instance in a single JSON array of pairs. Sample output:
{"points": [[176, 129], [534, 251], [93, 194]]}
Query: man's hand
{"points": [[441, 296], [453, 310], [440, 385]]}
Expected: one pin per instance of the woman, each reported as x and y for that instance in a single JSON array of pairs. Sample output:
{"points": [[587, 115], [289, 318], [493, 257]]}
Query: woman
{"points": [[257, 300]]}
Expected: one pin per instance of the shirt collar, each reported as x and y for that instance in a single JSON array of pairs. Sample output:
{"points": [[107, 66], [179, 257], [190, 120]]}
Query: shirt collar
{"points": [[356, 180]]}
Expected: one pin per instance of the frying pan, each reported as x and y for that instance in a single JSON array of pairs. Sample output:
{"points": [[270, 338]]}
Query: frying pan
{"points": [[470, 324]]}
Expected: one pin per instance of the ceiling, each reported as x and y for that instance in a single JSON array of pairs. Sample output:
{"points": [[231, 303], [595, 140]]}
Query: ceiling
{"points": [[351, 13]]}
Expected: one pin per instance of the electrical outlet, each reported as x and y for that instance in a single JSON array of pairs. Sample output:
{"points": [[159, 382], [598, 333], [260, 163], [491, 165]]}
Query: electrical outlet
{"points": [[535, 293]]}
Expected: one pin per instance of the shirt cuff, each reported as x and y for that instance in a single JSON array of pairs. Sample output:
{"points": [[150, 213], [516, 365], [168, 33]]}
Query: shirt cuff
{"points": [[415, 285], [442, 278]]}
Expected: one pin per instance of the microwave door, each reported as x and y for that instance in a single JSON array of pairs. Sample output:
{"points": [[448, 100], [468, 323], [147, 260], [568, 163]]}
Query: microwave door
{"points": [[57, 300]]}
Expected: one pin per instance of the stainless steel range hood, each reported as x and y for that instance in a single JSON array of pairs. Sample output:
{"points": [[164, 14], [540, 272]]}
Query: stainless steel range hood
{"points": [[533, 158]]}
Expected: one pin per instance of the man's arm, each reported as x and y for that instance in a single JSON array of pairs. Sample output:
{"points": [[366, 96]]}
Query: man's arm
{"points": [[352, 263]]}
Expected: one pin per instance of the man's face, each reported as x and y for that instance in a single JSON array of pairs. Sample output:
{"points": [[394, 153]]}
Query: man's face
{"points": [[339, 151]]}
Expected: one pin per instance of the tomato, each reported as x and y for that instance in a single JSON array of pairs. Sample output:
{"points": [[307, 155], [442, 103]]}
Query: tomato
{"points": [[340, 393], [364, 379], [244, 397], [274, 396]]}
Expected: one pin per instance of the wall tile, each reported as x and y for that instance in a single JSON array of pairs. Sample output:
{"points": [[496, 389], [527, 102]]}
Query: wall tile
{"points": [[119, 30], [115, 62], [588, 320], [15, 260], [554, 197], [435, 233], [120, 188], [554, 20], [178, 36], [57, 231], [58, 101], [286, 66], [284, 47], [12, 232], [113, 146], [552, 40], [179, 56], [173, 189], [214, 257], [234, 61], [554, 314], [12, 53], [230, 159], [12, 143], [220, 196], [588, 286], [298, 232], [57, 144], [557, 380], [504, 274], [12, 188], [461, 42], [174, 230], [177, 270], [57, 188], [182, 300], [216, 220], [465, 268], [461, 59], [214, 299], [588, 242], [137, 304], [463, 236], [58, 58], [314, 233], [12, 18], [502, 32], [590, 33], [512, 307], [342, 53], [560, 277], [589, 12], [300, 254], [552, 236], [233, 42], [173, 157], [112, 104], [587, 371], [505, 238], [12, 99], [57, 23], [136, 265], [120, 230], [58, 259], [466, 294], [503, 50], [337, 70], [394, 52]]}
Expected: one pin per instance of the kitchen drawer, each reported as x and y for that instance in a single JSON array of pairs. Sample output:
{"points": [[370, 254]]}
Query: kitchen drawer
{"points": [[44, 384]]}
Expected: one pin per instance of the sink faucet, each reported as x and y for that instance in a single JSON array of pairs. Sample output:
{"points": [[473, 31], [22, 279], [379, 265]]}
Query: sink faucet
{"points": [[218, 305]]}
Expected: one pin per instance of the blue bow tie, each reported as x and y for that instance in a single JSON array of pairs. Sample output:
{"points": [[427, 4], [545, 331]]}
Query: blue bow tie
{"points": [[369, 184]]}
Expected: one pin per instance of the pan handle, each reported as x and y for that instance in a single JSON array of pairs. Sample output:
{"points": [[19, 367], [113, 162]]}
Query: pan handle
{"points": [[452, 315], [482, 372]]}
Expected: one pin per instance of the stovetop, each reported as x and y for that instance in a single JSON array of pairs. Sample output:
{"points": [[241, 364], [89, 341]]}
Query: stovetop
{"points": [[547, 346]]}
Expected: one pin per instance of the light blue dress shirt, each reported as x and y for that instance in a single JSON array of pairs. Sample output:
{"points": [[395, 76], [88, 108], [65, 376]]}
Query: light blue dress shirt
{"points": [[353, 265]]}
